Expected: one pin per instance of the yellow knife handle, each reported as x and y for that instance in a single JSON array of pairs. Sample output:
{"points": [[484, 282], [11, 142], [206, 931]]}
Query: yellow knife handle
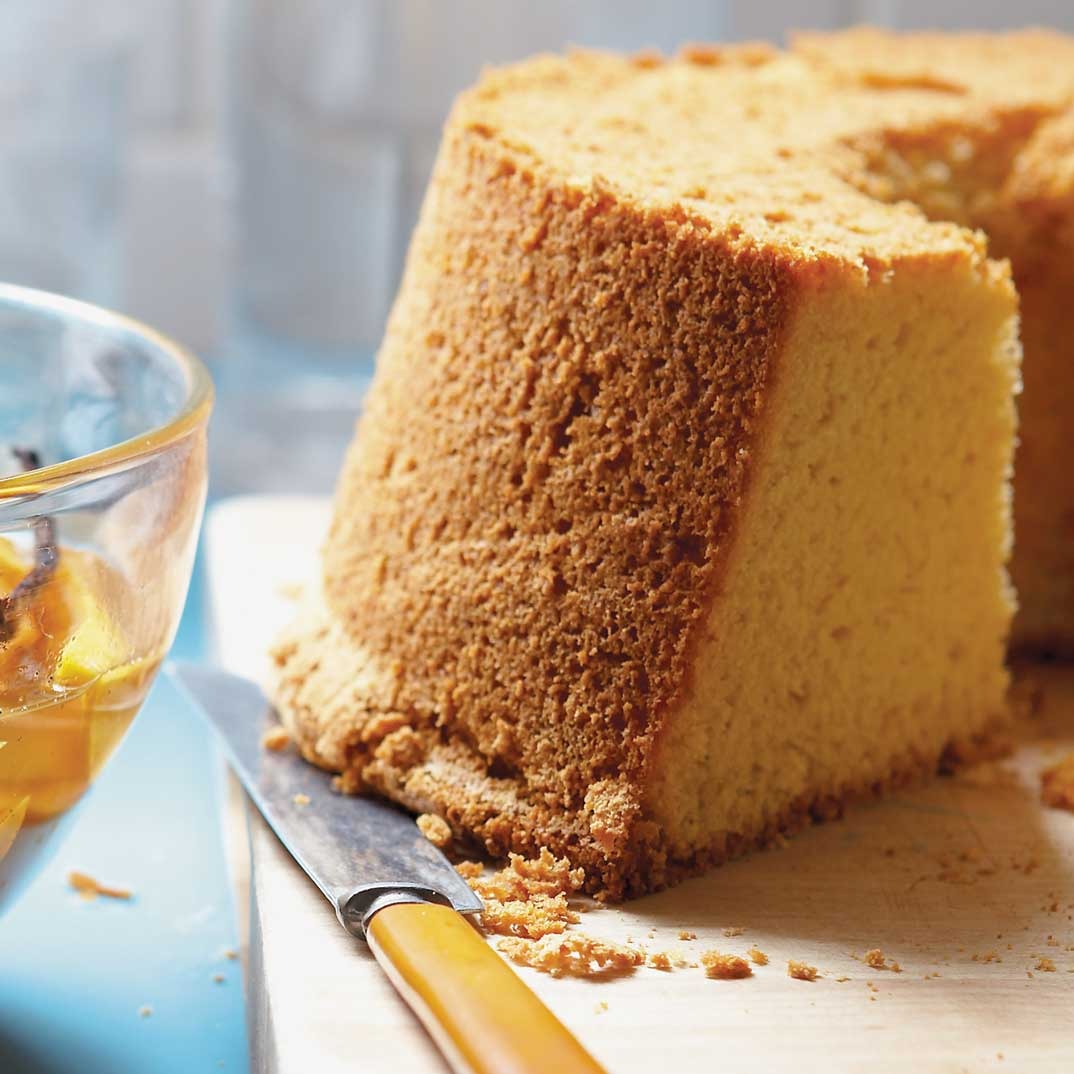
{"points": [[477, 1009]]}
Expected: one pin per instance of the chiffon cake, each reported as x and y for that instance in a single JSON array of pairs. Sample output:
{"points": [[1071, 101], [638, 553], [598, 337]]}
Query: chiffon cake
{"points": [[680, 509]]}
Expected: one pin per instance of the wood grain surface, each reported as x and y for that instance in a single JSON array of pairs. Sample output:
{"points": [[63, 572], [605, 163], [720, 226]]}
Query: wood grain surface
{"points": [[967, 883]]}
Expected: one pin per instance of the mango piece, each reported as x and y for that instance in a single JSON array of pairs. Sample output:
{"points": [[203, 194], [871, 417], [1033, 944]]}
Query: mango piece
{"points": [[97, 656], [42, 623], [96, 645], [65, 607], [69, 690], [94, 649]]}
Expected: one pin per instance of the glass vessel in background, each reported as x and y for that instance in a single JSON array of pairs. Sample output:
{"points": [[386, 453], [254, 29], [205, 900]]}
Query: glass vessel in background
{"points": [[102, 486], [63, 68]]}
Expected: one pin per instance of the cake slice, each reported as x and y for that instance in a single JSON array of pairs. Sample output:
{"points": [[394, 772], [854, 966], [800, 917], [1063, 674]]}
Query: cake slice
{"points": [[1017, 185], [680, 506]]}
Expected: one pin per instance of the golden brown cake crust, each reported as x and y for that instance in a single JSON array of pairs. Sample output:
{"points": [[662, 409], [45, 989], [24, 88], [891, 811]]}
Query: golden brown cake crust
{"points": [[537, 507], [541, 471]]}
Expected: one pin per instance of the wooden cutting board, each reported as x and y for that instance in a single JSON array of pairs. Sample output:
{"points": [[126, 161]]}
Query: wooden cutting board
{"points": [[968, 883]]}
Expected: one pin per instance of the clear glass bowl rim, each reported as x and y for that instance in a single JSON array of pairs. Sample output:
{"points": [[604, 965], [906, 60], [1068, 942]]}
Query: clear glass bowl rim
{"points": [[193, 413]]}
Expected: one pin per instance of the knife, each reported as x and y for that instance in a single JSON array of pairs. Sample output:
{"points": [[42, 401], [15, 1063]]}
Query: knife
{"points": [[392, 887]]}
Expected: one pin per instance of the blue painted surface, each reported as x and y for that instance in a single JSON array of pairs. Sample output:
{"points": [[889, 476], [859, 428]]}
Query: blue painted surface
{"points": [[74, 974]]}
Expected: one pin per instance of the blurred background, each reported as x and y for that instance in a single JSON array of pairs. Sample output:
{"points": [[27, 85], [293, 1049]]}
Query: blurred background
{"points": [[245, 174]]}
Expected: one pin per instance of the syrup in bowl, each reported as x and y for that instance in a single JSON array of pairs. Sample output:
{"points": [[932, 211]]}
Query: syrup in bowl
{"points": [[69, 689]]}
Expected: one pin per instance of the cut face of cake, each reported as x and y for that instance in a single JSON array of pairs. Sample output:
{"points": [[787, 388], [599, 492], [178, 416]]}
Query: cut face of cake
{"points": [[679, 510], [1017, 185]]}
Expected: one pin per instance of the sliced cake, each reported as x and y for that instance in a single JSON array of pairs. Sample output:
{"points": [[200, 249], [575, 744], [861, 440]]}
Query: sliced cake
{"points": [[1016, 184], [679, 510]]}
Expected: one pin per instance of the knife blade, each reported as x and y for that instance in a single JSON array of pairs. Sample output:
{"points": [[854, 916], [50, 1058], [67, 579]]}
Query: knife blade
{"points": [[390, 885], [361, 852]]}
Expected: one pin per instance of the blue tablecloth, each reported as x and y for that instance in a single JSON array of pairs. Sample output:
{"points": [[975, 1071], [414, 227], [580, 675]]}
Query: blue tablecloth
{"points": [[76, 976]]}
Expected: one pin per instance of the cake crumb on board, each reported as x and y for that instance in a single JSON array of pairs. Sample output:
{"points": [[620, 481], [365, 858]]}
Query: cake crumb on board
{"points": [[145, 1011], [722, 967], [666, 960], [89, 888], [522, 877], [686, 934], [757, 956], [875, 958], [801, 971], [435, 829], [526, 903], [301, 799], [573, 953], [525, 899], [276, 739]]}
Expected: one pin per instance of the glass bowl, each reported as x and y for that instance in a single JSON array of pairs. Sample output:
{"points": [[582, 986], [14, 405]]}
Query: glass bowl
{"points": [[102, 486]]}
